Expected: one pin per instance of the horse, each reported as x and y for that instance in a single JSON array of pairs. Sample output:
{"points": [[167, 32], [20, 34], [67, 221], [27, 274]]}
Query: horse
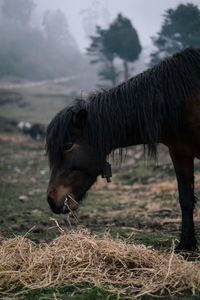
{"points": [[160, 105]]}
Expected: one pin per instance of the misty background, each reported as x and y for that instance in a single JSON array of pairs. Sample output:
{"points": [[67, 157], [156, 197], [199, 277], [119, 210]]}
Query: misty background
{"points": [[43, 39]]}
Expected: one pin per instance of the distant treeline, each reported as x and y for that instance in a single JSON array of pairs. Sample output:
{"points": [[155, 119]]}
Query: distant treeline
{"points": [[36, 52], [180, 29], [48, 50]]}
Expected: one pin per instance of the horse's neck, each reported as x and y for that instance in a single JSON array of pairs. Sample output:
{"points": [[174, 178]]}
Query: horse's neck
{"points": [[132, 139]]}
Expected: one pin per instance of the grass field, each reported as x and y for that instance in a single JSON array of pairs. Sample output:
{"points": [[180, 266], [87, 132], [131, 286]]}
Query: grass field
{"points": [[140, 205]]}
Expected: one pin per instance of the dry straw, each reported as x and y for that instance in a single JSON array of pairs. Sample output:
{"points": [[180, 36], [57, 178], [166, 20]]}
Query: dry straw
{"points": [[77, 257]]}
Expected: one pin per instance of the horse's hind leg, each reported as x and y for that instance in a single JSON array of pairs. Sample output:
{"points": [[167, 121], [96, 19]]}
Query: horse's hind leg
{"points": [[184, 167]]}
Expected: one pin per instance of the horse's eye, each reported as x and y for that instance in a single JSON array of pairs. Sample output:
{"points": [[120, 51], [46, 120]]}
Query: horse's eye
{"points": [[67, 146]]}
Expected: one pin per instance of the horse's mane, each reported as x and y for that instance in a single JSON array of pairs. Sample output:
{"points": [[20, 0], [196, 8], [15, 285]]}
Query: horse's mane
{"points": [[142, 103]]}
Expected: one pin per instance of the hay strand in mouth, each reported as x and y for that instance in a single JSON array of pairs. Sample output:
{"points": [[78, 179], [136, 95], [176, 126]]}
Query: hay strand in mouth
{"points": [[71, 202], [77, 257], [71, 213], [67, 205]]}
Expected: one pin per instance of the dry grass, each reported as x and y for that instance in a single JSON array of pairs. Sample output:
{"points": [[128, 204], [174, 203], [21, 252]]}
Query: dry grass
{"points": [[79, 257]]}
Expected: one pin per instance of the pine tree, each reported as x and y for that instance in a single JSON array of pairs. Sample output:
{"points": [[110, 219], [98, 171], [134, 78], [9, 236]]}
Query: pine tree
{"points": [[124, 41], [180, 29], [120, 40], [101, 53]]}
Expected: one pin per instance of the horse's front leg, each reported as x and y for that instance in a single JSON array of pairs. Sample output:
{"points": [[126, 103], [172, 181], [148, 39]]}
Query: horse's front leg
{"points": [[184, 168]]}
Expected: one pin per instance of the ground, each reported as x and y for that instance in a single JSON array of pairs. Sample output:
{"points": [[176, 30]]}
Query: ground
{"points": [[140, 204]]}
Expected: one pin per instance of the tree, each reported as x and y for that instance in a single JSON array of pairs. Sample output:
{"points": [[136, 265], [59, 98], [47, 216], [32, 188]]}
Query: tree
{"points": [[100, 51], [109, 72], [124, 41], [119, 40], [180, 29], [61, 49], [18, 11]]}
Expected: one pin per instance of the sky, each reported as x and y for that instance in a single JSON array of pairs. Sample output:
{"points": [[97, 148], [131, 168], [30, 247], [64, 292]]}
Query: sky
{"points": [[145, 15]]}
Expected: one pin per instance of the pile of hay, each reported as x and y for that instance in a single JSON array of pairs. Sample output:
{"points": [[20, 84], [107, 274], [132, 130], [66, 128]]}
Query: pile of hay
{"points": [[79, 257]]}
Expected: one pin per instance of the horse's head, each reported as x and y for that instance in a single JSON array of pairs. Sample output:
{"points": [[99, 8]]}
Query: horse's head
{"points": [[74, 162]]}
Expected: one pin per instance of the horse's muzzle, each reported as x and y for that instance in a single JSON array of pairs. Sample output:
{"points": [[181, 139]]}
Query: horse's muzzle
{"points": [[53, 206]]}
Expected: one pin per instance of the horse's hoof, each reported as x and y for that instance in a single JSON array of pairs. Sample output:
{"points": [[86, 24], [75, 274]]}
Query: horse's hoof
{"points": [[186, 247]]}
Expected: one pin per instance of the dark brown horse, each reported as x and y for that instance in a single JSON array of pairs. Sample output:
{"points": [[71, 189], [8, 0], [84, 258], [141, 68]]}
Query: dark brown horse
{"points": [[161, 105]]}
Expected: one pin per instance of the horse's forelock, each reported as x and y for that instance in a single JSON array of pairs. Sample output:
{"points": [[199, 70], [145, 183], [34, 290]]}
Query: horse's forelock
{"points": [[57, 132], [55, 136]]}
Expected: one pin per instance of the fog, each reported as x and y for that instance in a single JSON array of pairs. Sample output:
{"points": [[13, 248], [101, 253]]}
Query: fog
{"points": [[37, 45], [146, 15], [49, 39]]}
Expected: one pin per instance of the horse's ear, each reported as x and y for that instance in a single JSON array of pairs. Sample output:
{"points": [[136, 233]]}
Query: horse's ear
{"points": [[79, 118]]}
